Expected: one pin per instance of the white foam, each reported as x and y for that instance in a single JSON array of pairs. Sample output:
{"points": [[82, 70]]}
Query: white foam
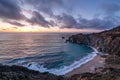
{"points": [[66, 69]]}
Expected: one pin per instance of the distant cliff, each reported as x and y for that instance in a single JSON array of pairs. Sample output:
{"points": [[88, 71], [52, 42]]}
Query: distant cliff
{"points": [[106, 41]]}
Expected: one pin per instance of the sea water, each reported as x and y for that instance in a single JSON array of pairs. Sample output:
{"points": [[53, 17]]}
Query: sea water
{"points": [[44, 52]]}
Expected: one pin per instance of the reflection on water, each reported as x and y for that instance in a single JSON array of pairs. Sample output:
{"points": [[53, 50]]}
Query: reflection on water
{"points": [[14, 45]]}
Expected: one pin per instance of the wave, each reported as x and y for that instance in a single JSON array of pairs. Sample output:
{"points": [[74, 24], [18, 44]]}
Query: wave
{"points": [[65, 69], [19, 61]]}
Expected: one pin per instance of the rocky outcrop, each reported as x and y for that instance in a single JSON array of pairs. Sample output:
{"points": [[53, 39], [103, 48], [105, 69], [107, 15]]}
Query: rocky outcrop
{"points": [[22, 73], [106, 41]]}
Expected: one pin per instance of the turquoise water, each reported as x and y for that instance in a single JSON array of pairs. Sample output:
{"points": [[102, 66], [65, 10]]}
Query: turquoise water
{"points": [[43, 52]]}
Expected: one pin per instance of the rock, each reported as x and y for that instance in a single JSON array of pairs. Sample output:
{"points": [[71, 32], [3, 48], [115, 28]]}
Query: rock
{"points": [[22, 73]]}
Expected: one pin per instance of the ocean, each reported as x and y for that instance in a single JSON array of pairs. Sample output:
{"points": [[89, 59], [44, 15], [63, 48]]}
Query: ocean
{"points": [[44, 52]]}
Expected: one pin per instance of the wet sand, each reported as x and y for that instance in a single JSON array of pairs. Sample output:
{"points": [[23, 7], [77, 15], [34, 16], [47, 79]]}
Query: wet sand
{"points": [[88, 67]]}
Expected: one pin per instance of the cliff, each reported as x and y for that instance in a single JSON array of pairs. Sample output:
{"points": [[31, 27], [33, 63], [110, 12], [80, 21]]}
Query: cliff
{"points": [[106, 41]]}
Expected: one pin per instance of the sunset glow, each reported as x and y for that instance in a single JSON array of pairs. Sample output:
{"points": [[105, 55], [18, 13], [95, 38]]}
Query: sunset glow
{"points": [[5, 27]]}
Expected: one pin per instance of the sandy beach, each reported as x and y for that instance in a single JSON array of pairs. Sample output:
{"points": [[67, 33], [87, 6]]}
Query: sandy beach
{"points": [[90, 66]]}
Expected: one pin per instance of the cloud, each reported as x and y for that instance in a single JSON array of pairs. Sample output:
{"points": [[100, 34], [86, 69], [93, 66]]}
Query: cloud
{"points": [[10, 10], [45, 6], [15, 23], [68, 21], [4, 29], [111, 9], [15, 27], [96, 23], [38, 19], [109, 20]]}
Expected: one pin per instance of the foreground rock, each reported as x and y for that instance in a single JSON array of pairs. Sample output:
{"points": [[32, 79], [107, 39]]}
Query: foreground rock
{"points": [[22, 73]]}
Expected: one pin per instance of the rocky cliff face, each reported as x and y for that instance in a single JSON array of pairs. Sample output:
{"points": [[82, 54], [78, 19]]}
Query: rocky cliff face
{"points": [[106, 41]]}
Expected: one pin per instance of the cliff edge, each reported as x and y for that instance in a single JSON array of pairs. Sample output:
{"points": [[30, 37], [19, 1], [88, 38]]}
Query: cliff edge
{"points": [[106, 41]]}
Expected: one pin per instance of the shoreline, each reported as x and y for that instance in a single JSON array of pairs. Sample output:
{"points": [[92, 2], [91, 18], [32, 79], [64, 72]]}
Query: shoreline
{"points": [[90, 66]]}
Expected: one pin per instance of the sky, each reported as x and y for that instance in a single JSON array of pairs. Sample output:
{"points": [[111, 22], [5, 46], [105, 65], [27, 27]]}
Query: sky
{"points": [[59, 15]]}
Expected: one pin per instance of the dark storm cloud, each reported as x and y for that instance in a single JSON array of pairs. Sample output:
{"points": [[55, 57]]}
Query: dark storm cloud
{"points": [[45, 6], [38, 19], [10, 10]]}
